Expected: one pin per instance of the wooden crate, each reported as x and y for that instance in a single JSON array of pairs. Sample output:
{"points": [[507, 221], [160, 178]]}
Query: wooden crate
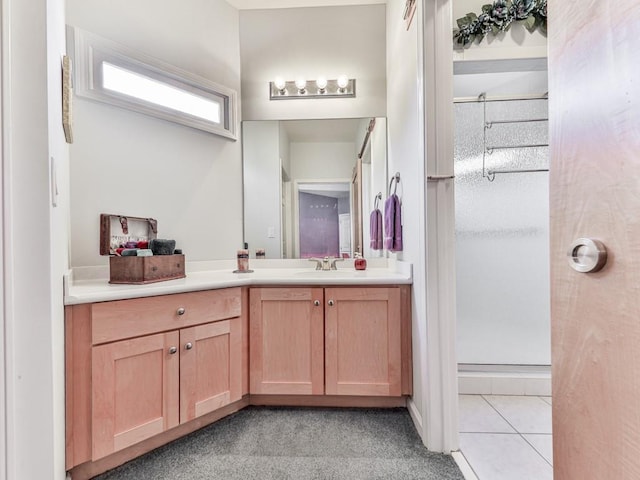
{"points": [[141, 270]]}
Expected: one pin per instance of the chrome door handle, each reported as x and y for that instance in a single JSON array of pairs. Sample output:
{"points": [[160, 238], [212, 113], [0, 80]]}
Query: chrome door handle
{"points": [[173, 350], [181, 311], [330, 302], [316, 303], [586, 255], [188, 346]]}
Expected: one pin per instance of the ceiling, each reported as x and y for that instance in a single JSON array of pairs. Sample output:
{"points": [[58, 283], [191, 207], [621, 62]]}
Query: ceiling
{"points": [[331, 130], [262, 4]]}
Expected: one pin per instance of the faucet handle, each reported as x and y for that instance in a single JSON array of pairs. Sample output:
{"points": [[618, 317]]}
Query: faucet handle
{"points": [[318, 262], [333, 262]]}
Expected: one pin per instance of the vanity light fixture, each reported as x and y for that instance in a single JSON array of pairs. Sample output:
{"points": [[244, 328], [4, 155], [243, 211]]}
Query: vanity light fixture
{"points": [[321, 83], [343, 82], [343, 86], [280, 84], [301, 85]]}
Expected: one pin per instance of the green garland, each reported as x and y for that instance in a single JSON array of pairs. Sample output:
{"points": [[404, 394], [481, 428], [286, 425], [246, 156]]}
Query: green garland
{"points": [[498, 18]]}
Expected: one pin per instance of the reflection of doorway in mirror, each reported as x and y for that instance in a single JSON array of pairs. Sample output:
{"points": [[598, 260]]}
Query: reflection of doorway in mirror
{"points": [[322, 207], [356, 207], [344, 234], [319, 227], [285, 213]]}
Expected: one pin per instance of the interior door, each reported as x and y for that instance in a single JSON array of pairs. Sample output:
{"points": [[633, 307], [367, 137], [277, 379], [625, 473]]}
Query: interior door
{"points": [[594, 96]]}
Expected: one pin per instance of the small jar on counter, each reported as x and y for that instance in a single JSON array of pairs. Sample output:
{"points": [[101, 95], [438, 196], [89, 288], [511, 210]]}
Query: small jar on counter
{"points": [[260, 253], [359, 263]]}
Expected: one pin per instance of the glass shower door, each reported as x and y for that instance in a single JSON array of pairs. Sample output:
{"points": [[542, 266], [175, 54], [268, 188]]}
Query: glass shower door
{"points": [[502, 233]]}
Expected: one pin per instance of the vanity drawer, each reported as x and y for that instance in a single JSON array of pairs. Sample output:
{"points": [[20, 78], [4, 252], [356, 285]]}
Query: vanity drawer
{"points": [[122, 319]]}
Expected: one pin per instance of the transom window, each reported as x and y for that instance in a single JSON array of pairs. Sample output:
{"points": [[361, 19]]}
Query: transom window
{"points": [[111, 73]]}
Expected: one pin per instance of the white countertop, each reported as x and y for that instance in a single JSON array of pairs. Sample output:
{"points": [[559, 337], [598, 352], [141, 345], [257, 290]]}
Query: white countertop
{"points": [[90, 284]]}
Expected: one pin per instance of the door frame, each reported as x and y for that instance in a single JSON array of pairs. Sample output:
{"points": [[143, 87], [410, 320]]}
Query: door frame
{"points": [[5, 228], [440, 406]]}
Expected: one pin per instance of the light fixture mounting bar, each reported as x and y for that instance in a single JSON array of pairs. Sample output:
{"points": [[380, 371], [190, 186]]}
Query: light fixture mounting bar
{"points": [[332, 90]]}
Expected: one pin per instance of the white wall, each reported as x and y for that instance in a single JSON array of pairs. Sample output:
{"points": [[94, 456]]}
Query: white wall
{"points": [[379, 174], [311, 42], [59, 215], [34, 237], [262, 186], [374, 179], [406, 156], [128, 163], [285, 158], [516, 43], [502, 65], [321, 160]]}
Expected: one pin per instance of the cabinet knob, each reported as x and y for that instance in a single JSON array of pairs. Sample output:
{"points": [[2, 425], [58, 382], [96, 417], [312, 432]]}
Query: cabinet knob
{"points": [[330, 302], [181, 311], [173, 350], [188, 346], [316, 303]]}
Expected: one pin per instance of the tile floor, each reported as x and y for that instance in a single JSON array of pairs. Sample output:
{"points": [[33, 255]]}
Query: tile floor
{"points": [[507, 437]]}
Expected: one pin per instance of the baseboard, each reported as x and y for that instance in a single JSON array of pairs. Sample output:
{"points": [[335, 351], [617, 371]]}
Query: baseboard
{"points": [[519, 381], [416, 416], [464, 466]]}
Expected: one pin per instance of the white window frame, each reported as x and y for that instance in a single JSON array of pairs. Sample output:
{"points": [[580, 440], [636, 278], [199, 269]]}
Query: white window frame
{"points": [[89, 51]]}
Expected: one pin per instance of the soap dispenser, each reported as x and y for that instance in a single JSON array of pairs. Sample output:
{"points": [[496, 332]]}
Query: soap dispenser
{"points": [[360, 263]]}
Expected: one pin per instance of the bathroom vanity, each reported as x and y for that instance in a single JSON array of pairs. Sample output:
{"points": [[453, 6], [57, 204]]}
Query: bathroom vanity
{"points": [[146, 364]]}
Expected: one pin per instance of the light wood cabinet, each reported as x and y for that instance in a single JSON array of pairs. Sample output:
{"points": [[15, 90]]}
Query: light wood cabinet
{"points": [[128, 380], [333, 341], [286, 341], [145, 371], [135, 391], [210, 367], [362, 341]]}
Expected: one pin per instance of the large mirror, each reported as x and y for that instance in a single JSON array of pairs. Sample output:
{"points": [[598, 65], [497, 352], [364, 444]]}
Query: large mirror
{"points": [[310, 185]]}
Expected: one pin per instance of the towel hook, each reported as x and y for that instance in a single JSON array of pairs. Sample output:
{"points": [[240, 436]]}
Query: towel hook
{"points": [[396, 179], [377, 200]]}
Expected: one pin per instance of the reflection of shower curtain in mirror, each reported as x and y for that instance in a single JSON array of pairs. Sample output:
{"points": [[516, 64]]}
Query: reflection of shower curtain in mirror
{"points": [[318, 225]]}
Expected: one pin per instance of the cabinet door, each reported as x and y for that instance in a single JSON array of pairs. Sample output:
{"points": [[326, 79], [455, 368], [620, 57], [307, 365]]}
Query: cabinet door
{"points": [[286, 341], [135, 391], [362, 341], [210, 367]]}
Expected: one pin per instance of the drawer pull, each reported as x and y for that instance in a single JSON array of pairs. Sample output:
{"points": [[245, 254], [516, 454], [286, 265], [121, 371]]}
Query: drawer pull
{"points": [[316, 303], [188, 346], [181, 311], [330, 302], [173, 350]]}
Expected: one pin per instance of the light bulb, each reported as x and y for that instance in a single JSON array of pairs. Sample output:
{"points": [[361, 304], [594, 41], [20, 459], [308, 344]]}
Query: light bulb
{"points": [[280, 84], [321, 83], [343, 81], [301, 84]]}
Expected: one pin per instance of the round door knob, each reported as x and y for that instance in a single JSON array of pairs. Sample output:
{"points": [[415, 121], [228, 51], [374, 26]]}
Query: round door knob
{"points": [[316, 303], [173, 350], [181, 311], [330, 302], [587, 255], [188, 346]]}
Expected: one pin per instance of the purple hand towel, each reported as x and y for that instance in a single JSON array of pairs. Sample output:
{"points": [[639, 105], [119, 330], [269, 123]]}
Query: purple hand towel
{"points": [[375, 229], [393, 224]]}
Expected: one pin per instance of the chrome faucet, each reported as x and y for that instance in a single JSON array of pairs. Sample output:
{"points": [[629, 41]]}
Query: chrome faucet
{"points": [[326, 263]]}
